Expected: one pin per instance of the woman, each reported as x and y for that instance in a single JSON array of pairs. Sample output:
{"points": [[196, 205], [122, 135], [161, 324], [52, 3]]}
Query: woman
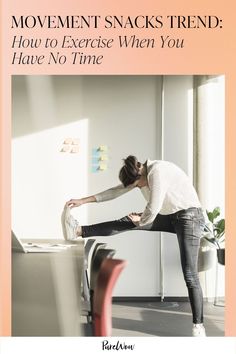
{"points": [[172, 206]]}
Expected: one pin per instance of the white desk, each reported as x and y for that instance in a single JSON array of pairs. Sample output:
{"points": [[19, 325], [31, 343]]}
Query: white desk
{"points": [[46, 292]]}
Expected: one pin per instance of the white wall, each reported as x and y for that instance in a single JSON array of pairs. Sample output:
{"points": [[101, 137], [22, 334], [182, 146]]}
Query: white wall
{"points": [[121, 112]]}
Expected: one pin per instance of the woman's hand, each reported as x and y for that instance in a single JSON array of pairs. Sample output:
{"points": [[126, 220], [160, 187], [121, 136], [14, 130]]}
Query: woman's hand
{"points": [[74, 203], [135, 218]]}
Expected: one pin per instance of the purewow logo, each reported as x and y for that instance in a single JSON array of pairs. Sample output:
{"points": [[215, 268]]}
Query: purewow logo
{"points": [[106, 345]]}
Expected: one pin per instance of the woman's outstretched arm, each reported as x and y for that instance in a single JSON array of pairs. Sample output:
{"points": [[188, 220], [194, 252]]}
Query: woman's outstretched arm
{"points": [[106, 195]]}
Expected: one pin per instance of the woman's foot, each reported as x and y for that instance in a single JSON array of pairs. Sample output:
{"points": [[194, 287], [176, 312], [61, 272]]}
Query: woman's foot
{"points": [[199, 330], [70, 226]]}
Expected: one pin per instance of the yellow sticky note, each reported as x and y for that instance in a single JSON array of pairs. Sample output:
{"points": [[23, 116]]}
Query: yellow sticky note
{"points": [[102, 167], [103, 158], [103, 148]]}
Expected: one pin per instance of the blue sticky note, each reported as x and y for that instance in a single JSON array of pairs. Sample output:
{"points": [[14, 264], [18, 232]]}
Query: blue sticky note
{"points": [[95, 152], [95, 168], [95, 160]]}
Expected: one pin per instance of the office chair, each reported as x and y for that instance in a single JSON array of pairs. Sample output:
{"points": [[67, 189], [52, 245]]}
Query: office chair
{"points": [[99, 257], [86, 304], [102, 301]]}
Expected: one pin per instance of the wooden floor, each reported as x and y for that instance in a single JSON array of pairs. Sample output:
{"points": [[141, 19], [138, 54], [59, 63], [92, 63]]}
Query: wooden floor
{"points": [[164, 319]]}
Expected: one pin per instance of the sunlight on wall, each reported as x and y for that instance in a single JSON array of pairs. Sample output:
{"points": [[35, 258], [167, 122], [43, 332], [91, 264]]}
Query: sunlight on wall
{"points": [[211, 111], [43, 179], [190, 134]]}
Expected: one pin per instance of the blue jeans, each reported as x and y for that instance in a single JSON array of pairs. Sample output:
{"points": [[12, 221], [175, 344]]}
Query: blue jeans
{"points": [[188, 225]]}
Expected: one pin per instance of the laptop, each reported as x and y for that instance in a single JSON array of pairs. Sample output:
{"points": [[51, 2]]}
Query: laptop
{"points": [[19, 246]]}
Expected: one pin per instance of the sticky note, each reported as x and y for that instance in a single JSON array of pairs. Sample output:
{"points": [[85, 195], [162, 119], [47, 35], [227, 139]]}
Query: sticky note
{"points": [[68, 141], [103, 167], [95, 152], [103, 148], [75, 142], [95, 169], [74, 150], [95, 160], [103, 158], [65, 148]]}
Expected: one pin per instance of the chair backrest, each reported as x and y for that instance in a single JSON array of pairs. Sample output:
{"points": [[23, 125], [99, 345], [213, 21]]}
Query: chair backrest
{"points": [[87, 293], [98, 258], [87, 248], [102, 301], [98, 246]]}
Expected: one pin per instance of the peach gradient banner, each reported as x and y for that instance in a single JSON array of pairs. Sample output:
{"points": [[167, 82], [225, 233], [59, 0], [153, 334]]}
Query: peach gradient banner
{"points": [[205, 51]]}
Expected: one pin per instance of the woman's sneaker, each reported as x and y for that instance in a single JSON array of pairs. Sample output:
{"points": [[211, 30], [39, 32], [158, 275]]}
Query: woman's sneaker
{"points": [[69, 225], [199, 330]]}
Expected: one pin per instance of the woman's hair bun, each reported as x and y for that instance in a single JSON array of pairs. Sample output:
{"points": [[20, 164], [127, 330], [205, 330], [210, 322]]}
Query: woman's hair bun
{"points": [[130, 172], [131, 160]]}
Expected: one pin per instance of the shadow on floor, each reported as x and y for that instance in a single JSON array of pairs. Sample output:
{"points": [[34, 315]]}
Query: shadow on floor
{"points": [[163, 319]]}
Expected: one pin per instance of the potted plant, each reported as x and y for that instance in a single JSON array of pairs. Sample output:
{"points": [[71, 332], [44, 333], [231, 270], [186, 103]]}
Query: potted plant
{"points": [[216, 230], [207, 255]]}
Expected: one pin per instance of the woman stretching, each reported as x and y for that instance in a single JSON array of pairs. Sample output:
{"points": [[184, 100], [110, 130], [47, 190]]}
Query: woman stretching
{"points": [[172, 206]]}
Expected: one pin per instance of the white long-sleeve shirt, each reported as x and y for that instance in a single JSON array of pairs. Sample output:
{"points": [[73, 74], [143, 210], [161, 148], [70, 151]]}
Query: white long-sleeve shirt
{"points": [[169, 190]]}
